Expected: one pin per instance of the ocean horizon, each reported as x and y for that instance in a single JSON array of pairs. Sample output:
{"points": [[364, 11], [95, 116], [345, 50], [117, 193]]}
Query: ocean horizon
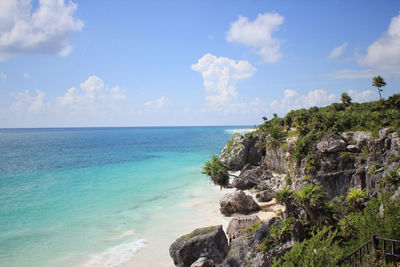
{"points": [[95, 196]]}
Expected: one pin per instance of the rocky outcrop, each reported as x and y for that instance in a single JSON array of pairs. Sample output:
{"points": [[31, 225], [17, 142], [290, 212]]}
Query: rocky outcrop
{"points": [[234, 154], [330, 143], [203, 262], [240, 150], [265, 195], [238, 202], [237, 226], [209, 242]]}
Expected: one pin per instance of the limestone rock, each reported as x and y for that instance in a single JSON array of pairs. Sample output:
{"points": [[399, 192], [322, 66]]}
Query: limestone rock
{"points": [[209, 242], [203, 262], [237, 202], [237, 226], [330, 144], [265, 195], [234, 154]]}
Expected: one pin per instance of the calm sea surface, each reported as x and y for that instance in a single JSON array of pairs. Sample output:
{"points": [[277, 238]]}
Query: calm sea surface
{"points": [[85, 196]]}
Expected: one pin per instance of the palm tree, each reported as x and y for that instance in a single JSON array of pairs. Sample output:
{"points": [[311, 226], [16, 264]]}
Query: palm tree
{"points": [[216, 171], [378, 82], [345, 98]]}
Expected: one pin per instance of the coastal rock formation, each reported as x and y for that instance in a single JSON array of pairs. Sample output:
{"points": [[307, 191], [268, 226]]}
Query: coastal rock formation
{"points": [[234, 154], [265, 195], [330, 143], [237, 226], [238, 202], [209, 242], [240, 150], [203, 262]]}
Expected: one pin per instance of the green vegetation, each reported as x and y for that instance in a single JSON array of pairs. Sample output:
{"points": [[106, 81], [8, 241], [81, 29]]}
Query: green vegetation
{"points": [[355, 197], [198, 232], [277, 233], [288, 180], [378, 82], [314, 123], [374, 167], [216, 171], [345, 98], [322, 249], [254, 228]]}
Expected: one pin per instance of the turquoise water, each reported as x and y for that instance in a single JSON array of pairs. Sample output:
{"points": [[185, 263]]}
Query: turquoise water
{"points": [[81, 196]]}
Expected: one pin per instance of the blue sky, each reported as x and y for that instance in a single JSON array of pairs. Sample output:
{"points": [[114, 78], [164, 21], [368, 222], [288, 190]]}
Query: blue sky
{"points": [[146, 63]]}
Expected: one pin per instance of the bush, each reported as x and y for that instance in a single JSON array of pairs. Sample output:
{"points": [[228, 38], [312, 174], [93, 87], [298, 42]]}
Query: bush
{"points": [[216, 171], [322, 249]]}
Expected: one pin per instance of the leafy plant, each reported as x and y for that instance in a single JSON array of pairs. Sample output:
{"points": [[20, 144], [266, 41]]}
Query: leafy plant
{"points": [[216, 171], [355, 197]]}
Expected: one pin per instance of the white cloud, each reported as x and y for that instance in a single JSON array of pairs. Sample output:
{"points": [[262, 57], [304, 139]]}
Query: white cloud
{"points": [[258, 35], [26, 75], [338, 51], [364, 96], [26, 102], [158, 103], [220, 75], [44, 30], [362, 74], [294, 100], [3, 76], [93, 97], [384, 53]]}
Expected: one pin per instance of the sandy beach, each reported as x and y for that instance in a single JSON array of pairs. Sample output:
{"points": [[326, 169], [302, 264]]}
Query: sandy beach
{"points": [[201, 212]]}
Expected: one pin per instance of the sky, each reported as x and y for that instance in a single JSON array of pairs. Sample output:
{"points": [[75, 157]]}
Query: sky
{"points": [[188, 62]]}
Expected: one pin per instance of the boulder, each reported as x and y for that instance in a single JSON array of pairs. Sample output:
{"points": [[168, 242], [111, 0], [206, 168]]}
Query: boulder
{"points": [[331, 143], [234, 154], [265, 195], [237, 226], [238, 202], [203, 262], [209, 242]]}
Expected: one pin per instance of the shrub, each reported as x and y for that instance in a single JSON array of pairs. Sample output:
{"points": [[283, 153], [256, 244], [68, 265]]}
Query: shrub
{"points": [[216, 171], [355, 197], [322, 249]]}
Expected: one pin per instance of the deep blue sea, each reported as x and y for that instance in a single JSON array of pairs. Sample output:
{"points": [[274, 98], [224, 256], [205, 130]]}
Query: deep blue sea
{"points": [[94, 196]]}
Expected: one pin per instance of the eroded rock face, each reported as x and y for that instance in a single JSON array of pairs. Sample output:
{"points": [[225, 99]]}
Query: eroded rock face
{"points": [[331, 143], [203, 262], [238, 202], [234, 154], [265, 195], [237, 226], [209, 242]]}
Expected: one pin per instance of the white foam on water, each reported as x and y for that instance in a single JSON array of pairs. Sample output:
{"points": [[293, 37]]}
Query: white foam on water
{"points": [[117, 255], [240, 130]]}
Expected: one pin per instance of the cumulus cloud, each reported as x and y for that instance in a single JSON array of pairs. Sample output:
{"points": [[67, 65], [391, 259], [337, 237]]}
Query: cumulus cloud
{"points": [[220, 75], [294, 100], [364, 96], [158, 103], [27, 102], [338, 51], [93, 97], [45, 30], [384, 53], [258, 35]]}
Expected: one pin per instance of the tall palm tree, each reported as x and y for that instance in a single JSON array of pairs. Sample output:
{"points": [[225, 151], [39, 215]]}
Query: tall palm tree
{"points": [[378, 82]]}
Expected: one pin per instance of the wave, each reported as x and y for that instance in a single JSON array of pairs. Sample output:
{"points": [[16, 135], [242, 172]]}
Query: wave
{"points": [[117, 255], [242, 131]]}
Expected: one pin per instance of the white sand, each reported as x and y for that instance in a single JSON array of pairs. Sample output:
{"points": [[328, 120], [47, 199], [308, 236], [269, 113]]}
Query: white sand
{"points": [[203, 211]]}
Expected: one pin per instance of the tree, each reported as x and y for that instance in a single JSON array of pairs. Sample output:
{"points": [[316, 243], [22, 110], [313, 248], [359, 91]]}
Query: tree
{"points": [[217, 171], [378, 82], [345, 98]]}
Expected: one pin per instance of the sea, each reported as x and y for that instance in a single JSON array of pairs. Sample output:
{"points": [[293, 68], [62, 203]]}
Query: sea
{"points": [[98, 196]]}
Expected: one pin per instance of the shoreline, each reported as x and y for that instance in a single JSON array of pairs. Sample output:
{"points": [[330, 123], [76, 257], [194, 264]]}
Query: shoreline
{"points": [[203, 211]]}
